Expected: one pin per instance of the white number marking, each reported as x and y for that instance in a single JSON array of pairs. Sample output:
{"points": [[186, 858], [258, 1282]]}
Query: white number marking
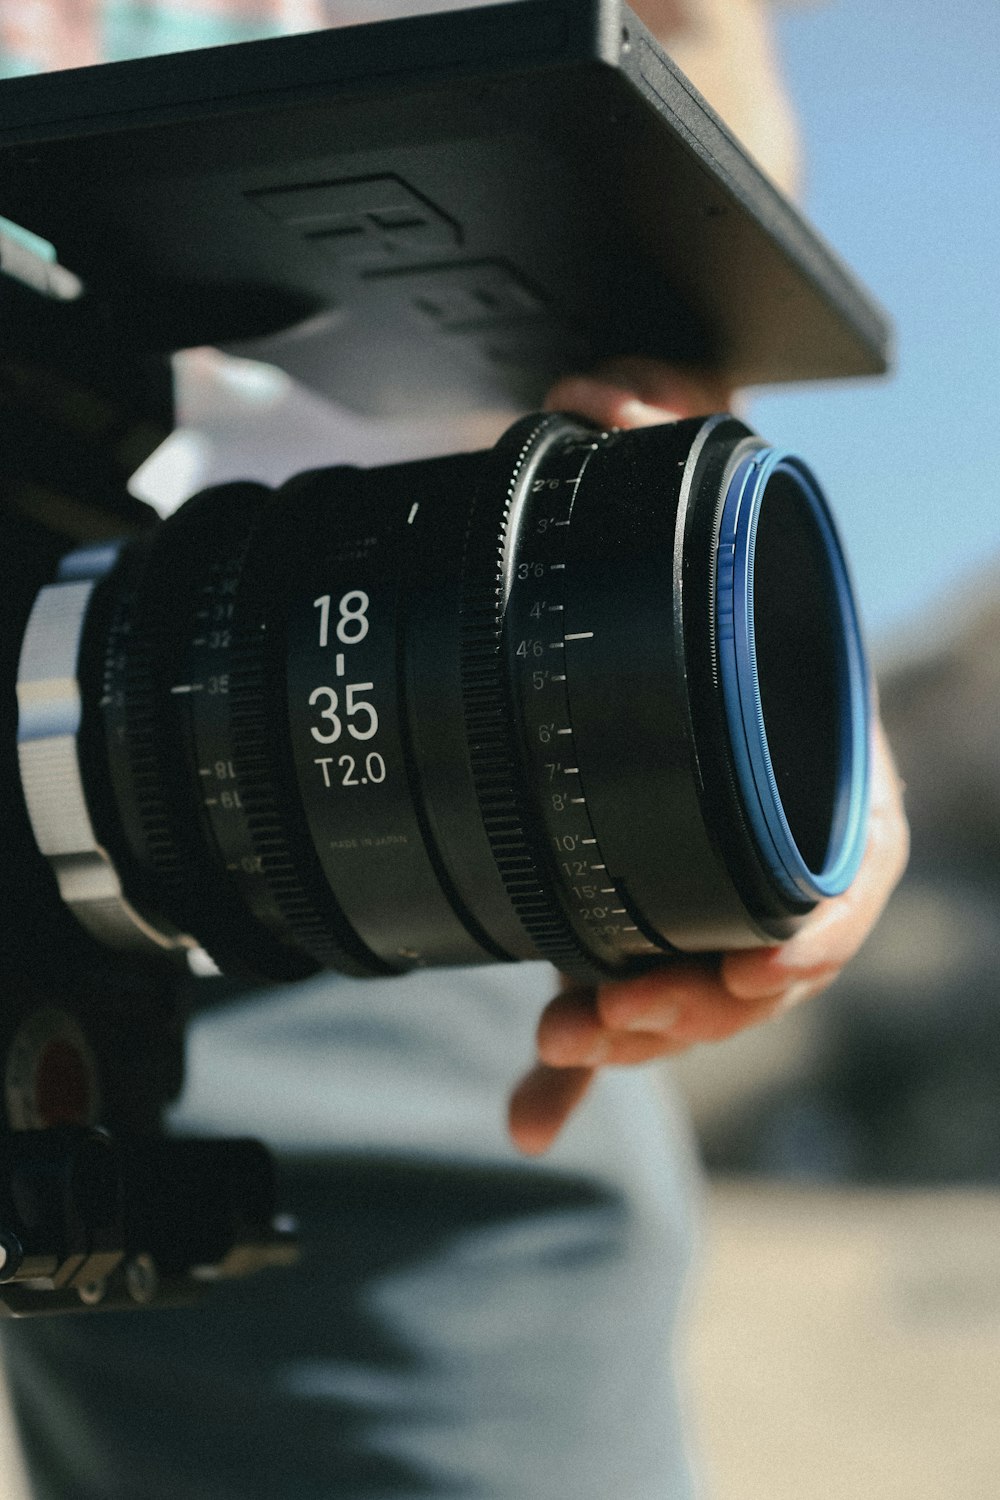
{"points": [[359, 706], [325, 736], [323, 605], [352, 626], [375, 766]]}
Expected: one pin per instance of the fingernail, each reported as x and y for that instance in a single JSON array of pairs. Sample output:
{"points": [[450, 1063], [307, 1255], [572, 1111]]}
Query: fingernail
{"points": [[777, 980], [625, 1016], [564, 1051], [635, 413], [596, 1055], [664, 1018], [794, 995]]}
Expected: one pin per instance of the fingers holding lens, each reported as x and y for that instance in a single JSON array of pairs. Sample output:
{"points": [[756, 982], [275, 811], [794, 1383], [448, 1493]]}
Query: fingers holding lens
{"points": [[572, 1033], [542, 1103], [832, 935], [636, 1020], [638, 393]]}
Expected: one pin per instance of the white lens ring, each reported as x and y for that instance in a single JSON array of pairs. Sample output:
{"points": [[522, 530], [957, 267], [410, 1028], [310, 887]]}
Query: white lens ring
{"points": [[48, 749]]}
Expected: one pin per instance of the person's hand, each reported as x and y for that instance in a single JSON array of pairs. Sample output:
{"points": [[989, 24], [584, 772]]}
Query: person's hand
{"points": [[691, 1000]]}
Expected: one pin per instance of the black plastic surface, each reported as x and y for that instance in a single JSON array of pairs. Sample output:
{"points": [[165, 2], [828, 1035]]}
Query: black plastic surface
{"points": [[445, 210]]}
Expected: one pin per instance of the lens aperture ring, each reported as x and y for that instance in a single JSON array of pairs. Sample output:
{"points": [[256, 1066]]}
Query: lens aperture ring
{"points": [[149, 690], [218, 527], [123, 743]]}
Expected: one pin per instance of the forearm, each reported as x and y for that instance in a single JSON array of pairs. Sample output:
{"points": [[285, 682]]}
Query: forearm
{"points": [[726, 48]]}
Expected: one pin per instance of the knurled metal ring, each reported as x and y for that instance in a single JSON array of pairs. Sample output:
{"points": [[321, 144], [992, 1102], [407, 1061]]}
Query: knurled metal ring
{"points": [[504, 802], [48, 746]]}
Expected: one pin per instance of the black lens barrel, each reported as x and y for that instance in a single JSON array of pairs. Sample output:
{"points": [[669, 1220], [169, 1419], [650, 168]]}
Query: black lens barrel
{"points": [[474, 709]]}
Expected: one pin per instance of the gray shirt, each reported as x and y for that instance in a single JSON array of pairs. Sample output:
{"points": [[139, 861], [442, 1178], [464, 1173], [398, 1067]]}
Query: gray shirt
{"points": [[463, 1323]]}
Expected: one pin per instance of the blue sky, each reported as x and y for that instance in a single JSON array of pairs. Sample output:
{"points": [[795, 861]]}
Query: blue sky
{"points": [[900, 108]]}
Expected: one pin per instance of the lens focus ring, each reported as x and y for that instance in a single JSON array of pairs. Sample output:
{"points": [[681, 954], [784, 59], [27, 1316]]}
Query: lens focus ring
{"points": [[521, 735]]}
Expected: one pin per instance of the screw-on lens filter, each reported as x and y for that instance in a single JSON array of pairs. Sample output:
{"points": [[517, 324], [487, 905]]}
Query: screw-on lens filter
{"points": [[792, 670]]}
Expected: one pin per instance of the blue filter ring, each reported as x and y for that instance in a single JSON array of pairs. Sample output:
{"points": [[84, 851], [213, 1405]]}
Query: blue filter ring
{"points": [[793, 675]]}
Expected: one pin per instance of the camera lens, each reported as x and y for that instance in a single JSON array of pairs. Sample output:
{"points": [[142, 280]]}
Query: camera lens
{"points": [[592, 696]]}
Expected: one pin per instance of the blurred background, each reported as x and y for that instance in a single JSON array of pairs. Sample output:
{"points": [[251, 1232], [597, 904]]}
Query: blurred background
{"points": [[846, 1331], [847, 1338], [895, 1074]]}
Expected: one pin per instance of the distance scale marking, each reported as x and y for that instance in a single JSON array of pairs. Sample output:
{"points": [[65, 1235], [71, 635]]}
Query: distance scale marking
{"points": [[536, 639], [120, 730], [208, 731]]}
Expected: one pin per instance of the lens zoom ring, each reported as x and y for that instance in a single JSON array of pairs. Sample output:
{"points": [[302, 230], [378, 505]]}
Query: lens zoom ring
{"points": [[281, 840]]}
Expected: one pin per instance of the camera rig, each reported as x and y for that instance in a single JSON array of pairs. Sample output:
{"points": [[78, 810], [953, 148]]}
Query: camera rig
{"points": [[445, 211], [96, 1206]]}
